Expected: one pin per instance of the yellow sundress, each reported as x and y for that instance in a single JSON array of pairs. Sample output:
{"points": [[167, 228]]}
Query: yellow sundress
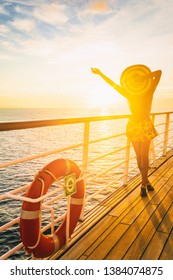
{"points": [[140, 131]]}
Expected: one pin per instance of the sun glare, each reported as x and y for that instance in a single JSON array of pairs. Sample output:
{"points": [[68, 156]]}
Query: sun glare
{"points": [[103, 100]]}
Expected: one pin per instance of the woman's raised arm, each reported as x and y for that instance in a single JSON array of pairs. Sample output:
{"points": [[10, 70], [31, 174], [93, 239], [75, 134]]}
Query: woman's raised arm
{"points": [[110, 82]]}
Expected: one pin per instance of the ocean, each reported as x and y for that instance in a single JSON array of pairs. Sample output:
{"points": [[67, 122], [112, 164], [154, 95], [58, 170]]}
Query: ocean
{"points": [[24, 143]]}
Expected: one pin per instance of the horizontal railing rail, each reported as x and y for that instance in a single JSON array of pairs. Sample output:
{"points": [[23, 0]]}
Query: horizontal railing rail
{"points": [[5, 126], [117, 157]]}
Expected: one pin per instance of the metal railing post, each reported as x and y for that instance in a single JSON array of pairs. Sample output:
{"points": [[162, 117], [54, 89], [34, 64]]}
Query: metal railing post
{"points": [[68, 220], [126, 169], [152, 148], [152, 152], [86, 145], [165, 143], [85, 158]]}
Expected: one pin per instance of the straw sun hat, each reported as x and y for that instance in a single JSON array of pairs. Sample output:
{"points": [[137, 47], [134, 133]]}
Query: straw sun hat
{"points": [[136, 79]]}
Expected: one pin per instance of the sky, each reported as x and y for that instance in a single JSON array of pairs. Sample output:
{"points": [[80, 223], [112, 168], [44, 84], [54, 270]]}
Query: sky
{"points": [[48, 47]]}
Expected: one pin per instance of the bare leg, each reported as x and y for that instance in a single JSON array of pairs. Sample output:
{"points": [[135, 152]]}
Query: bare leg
{"points": [[144, 153], [142, 156], [137, 149]]}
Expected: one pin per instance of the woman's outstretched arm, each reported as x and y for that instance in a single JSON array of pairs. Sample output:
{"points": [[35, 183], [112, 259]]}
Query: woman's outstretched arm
{"points": [[110, 82]]}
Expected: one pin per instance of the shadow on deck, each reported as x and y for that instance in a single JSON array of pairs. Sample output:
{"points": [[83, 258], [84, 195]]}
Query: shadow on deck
{"points": [[126, 226]]}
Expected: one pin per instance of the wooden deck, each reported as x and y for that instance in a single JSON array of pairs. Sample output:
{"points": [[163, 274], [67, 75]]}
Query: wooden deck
{"points": [[126, 226]]}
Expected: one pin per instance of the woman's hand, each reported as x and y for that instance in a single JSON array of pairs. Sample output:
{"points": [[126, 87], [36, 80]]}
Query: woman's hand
{"points": [[96, 71], [109, 81]]}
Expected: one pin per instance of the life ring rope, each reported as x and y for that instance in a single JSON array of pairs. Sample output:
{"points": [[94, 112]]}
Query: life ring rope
{"points": [[56, 242], [39, 216], [58, 179], [52, 175]]}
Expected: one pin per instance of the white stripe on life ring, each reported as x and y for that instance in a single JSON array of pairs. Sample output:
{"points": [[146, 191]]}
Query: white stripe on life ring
{"points": [[76, 201], [30, 215]]}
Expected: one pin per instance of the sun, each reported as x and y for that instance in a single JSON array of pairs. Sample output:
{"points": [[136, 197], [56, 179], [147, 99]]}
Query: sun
{"points": [[102, 100]]}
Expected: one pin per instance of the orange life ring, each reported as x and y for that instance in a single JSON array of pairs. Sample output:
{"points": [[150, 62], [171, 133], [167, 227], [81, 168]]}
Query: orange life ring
{"points": [[40, 245]]}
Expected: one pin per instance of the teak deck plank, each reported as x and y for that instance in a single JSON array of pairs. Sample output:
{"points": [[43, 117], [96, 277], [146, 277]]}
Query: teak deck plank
{"points": [[126, 226], [103, 249], [167, 253], [142, 240], [167, 222], [120, 249], [153, 252], [90, 238]]}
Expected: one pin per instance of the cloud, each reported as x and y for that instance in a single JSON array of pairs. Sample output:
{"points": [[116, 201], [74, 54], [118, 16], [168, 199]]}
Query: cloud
{"points": [[95, 12], [53, 13], [23, 2], [4, 29], [99, 6], [2, 10], [5, 57], [38, 48], [23, 24]]}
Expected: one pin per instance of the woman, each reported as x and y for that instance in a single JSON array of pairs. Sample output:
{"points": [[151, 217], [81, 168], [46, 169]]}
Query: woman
{"points": [[138, 84]]}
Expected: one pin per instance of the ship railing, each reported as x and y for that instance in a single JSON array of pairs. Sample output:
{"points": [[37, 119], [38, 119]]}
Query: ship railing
{"points": [[163, 122]]}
